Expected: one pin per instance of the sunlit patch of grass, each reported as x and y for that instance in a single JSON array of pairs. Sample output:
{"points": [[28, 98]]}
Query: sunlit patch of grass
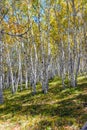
{"points": [[81, 78], [59, 109]]}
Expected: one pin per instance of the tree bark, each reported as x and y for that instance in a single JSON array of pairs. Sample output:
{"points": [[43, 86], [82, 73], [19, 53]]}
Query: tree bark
{"points": [[1, 74]]}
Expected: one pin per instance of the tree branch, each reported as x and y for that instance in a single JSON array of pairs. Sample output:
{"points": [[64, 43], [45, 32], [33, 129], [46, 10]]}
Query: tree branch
{"points": [[14, 35]]}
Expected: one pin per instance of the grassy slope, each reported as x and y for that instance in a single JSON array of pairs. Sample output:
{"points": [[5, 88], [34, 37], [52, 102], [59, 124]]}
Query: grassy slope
{"points": [[58, 110]]}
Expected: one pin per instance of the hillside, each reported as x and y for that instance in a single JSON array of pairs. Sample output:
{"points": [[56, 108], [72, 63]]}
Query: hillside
{"points": [[59, 109]]}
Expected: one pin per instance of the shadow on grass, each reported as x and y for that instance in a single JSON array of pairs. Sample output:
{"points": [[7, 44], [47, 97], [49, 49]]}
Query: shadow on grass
{"points": [[63, 106]]}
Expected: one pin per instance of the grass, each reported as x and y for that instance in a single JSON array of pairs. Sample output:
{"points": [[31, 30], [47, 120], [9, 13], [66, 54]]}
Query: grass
{"points": [[59, 109]]}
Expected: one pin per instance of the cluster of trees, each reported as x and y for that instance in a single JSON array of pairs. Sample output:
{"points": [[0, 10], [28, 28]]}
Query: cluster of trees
{"points": [[40, 39]]}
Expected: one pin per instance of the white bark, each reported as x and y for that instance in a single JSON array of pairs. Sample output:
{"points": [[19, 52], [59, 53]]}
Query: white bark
{"points": [[1, 75], [10, 68], [20, 68], [33, 76]]}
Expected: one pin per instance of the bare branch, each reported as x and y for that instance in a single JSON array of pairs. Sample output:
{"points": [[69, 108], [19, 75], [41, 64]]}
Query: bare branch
{"points": [[15, 35]]}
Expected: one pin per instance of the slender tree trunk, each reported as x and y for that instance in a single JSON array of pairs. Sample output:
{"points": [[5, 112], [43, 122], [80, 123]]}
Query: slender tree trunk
{"points": [[1, 75], [26, 79], [7, 80], [20, 69], [48, 43], [33, 75], [74, 48], [77, 70], [62, 63], [11, 72]]}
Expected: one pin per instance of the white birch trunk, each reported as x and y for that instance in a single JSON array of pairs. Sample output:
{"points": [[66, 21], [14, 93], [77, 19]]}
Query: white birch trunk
{"points": [[62, 63], [11, 72], [48, 43], [1, 75], [26, 79], [33, 74], [20, 69]]}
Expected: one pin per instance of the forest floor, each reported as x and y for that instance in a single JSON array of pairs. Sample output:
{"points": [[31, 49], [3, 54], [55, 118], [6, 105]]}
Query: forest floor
{"points": [[59, 109]]}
